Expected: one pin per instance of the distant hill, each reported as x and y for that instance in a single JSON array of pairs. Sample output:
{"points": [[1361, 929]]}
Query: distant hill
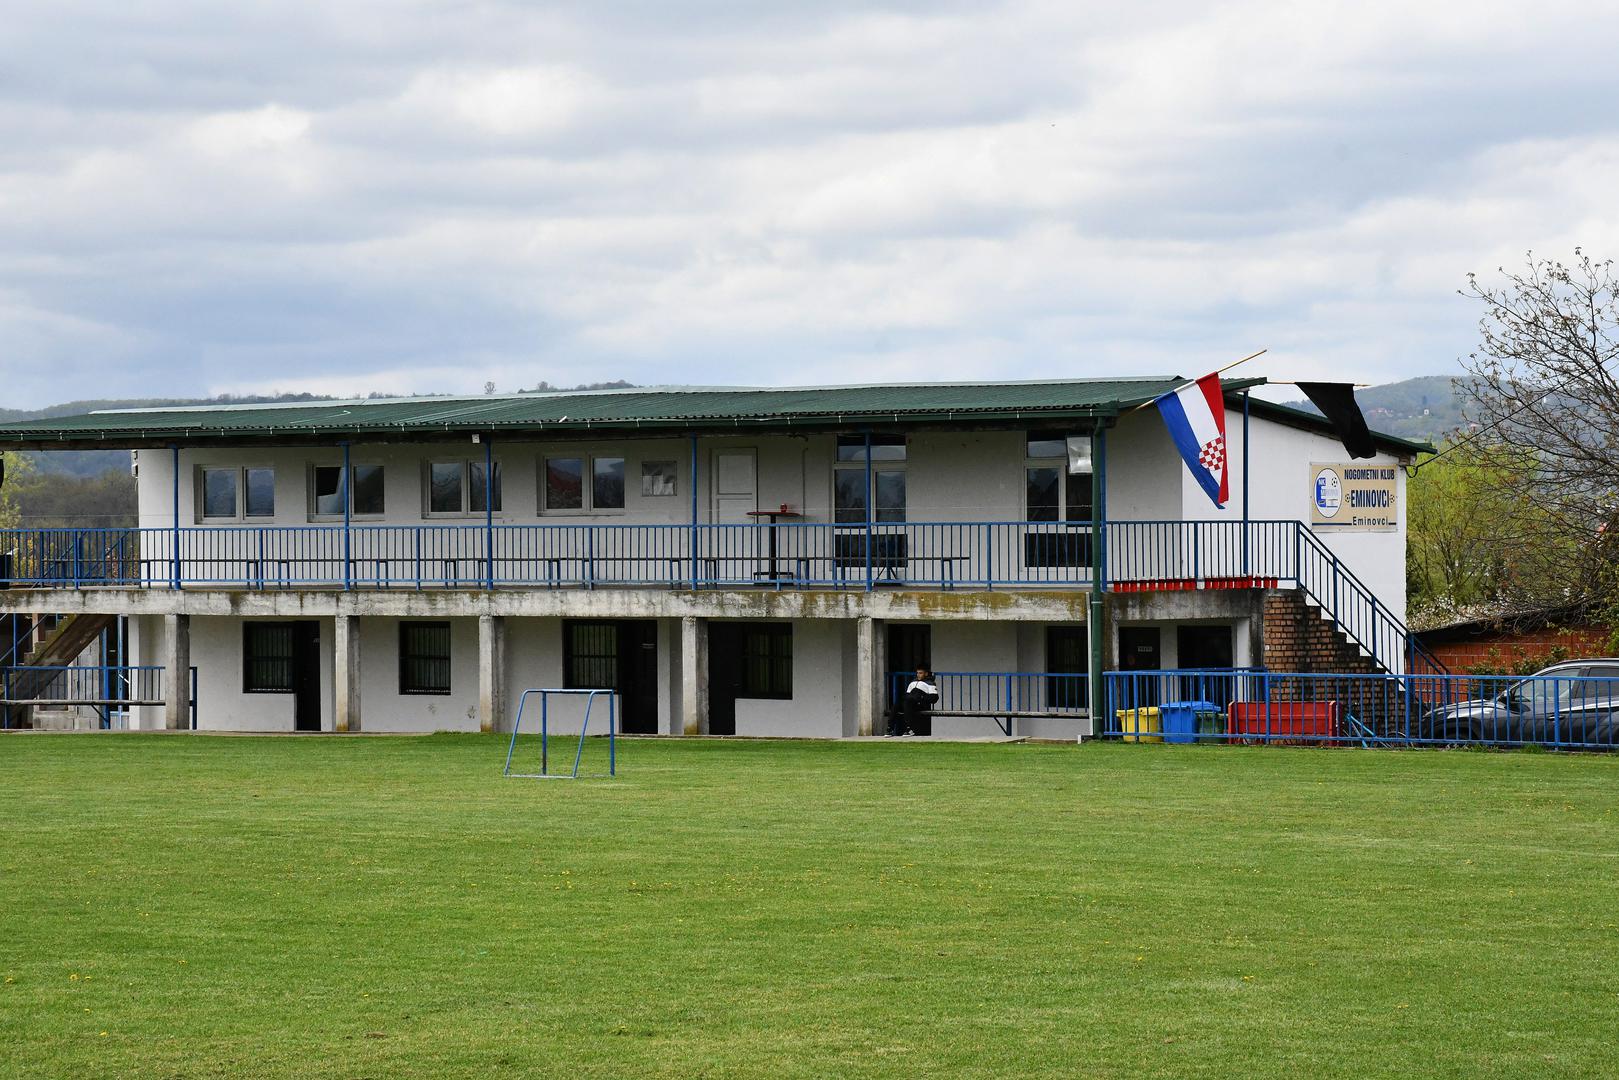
{"points": [[1427, 408]]}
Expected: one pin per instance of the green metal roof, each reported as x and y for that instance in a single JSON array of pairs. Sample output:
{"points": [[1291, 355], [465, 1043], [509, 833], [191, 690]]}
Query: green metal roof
{"points": [[649, 409], [682, 408]]}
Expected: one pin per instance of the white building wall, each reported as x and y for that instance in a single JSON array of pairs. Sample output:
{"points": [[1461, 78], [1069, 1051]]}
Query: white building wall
{"points": [[1279, 488], [383, 707], [816, 709]]}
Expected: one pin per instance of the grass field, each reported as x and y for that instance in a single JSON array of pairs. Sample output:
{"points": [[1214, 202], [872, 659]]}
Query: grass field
{"points": [[379, 907]]}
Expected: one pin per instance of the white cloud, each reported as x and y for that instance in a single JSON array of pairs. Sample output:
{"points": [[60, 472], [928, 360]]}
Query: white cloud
{"points": [[413, 197]]}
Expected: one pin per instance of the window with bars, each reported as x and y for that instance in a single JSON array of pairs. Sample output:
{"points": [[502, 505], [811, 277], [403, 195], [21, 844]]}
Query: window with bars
{"points": [[766, 660], [590, 656], [267, 658], [424, 658]]}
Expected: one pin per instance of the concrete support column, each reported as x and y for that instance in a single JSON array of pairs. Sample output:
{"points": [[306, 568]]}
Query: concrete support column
{"points": [[492, 673], [693, 675], [871, 664], [346, 672], [177, 672]]}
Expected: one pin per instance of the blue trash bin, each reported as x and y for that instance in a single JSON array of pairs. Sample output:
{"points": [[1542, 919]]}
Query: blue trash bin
{"points": [[1180, 719]]}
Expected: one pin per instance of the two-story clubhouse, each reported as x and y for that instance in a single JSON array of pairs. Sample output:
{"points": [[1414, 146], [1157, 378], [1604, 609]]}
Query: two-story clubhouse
{"points": [[731, 561]]}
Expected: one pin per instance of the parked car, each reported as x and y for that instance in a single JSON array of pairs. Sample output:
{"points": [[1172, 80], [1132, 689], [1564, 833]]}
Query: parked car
{"points": [[1575, 702]]}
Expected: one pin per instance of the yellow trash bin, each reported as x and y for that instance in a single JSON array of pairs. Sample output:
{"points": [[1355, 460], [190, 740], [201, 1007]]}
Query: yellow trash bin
{"points": [[1141, 725]]}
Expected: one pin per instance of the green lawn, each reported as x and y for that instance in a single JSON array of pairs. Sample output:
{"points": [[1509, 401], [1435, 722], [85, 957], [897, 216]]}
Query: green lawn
{"points": [[380, 907]]}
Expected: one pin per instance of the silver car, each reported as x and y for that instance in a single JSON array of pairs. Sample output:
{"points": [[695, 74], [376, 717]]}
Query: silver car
{"points": [[1572, 703]]}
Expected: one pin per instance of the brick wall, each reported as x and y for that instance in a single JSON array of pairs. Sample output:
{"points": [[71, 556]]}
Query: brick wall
{"points": [[1504, 649], [1298, 639]]}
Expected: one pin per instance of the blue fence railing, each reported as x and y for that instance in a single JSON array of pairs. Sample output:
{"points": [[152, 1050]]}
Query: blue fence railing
{"points": [[1258, 707], [106, 688], [1002, 693], [983, 555]]}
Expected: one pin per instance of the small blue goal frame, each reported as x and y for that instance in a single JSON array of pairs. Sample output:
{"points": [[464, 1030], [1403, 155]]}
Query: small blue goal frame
{"points": [[545, 772]]}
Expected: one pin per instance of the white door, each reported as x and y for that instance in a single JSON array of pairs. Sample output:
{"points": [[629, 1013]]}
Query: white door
{"points": [[735, 486]]}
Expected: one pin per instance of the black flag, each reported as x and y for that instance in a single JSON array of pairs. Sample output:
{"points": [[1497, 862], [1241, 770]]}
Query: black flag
{"points": [[1337, 403]]}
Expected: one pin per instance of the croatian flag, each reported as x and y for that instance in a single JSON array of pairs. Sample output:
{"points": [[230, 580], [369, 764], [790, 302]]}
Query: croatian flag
{"points": [[1195, 415]]}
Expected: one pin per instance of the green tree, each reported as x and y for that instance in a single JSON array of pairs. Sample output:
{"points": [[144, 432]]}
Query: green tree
{"points": [[1469, 528], [19, 470]]}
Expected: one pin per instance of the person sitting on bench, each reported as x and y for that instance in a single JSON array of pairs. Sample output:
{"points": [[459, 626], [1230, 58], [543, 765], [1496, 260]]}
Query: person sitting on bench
{"points": [[920, 696]]}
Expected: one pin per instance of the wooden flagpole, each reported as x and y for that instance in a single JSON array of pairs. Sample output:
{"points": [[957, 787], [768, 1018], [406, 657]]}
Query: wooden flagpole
{"points": [[1190, 382]]}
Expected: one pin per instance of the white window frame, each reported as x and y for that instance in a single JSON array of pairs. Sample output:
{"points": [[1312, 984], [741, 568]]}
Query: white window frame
{"points": [[239, 513], [466, 511], [1061, 465], [353, 514], [587, 485], [899, 465]]}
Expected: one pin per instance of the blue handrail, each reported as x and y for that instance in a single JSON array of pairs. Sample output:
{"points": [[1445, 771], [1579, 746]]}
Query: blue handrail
{"points": [[832, 555]]}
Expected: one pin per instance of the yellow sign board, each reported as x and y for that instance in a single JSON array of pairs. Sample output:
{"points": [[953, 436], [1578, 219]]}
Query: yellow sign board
{"points": [[1354, 496]]}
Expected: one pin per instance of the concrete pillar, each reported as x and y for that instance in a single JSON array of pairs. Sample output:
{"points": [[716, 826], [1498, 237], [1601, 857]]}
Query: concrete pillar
{"points": [[346, 673], [492, 673], [693, 675], [177, 672], [871, 664]]}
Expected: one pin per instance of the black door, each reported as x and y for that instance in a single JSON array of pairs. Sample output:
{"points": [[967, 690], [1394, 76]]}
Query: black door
{"points": [[306, 676], [724, 677], [1139, 651], [616, 654], [1204, 647], [1068, 654], [638, 677]]}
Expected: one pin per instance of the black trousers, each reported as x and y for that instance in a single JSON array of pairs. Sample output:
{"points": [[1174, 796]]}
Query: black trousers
{"points": [[917, 712]]}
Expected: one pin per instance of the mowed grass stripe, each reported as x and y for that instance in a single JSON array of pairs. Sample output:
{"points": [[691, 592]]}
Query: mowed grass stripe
{"points": [[392, 907]]}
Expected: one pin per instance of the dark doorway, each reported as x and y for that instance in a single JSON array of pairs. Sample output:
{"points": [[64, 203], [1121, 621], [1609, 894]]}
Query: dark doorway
{"points": [[1067, 653], [724, 677], [1204, 647], [1139, 650], [621, 655], [306, 676], [910, 646]]}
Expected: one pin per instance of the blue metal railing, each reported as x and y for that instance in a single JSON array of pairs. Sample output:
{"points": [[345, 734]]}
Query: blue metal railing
{"points": [[1002, 693], [1260, 707], [107, 688], [1137, 555]]}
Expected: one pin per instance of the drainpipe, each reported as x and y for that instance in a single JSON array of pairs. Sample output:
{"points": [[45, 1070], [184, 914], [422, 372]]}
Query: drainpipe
{"points": [[175, 450], [871, 498], [1245, 456], [1098, 695], [343, 488], [694, 510]]}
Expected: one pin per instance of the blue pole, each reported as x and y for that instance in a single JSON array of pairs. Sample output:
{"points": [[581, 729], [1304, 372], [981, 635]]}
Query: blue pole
{"points": [[343, 488], [176, 457], [694, 510], [1095, 703], [489, 510], [1245, 456], [870, 499]]}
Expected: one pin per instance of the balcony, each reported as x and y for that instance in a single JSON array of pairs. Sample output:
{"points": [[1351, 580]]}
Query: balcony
{"points": [[936, 555]]}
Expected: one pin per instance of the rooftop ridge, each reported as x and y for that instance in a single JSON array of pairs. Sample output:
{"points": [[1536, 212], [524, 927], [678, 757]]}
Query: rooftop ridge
{"points": [[671, 389]]}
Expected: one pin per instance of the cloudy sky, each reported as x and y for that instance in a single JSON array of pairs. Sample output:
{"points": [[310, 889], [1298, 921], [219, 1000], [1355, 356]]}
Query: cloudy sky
{"points": [[404, 196]]}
